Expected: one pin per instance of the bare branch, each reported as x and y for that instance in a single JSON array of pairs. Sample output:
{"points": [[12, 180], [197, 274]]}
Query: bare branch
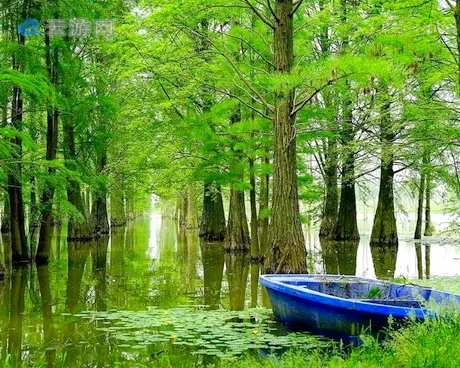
{"points": [[229, 94], [299, 106], [259, 15], [297, 5], [269, 4]]}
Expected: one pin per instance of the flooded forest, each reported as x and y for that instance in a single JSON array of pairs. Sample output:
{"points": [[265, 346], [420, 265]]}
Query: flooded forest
{"points": [[158, 156]]}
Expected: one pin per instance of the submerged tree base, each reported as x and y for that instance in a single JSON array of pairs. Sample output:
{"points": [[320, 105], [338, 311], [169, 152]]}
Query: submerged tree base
{"points": [[284, 258]]}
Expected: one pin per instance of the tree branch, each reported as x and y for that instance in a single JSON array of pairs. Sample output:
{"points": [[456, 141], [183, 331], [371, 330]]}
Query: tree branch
{"points": [[259, 15], [297, 5], [299, 106]]}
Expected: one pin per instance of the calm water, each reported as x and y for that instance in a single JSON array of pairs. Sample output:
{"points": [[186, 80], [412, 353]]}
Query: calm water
{"points": [[154, 263]]}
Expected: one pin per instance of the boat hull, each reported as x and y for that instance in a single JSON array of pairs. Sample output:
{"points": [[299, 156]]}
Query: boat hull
{"points": [[342, 307], [328, 321]]}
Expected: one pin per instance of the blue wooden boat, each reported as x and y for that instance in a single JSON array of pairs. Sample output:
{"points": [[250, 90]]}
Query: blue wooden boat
{"points": [[344, 306]]}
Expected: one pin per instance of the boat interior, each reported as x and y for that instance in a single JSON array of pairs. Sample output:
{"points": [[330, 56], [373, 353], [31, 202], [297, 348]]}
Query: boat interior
{"points": [[401, 295]]}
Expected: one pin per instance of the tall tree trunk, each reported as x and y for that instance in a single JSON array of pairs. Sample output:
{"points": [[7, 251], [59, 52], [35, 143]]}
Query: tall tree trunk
{"points": [[421, 193], [384, 231], [212, 227], [183, 210], [17, 218], [6, 216], [264, 209], [347, 222], [46, 224], [287, 244], [99, 217], [78, 228], [117, 208], [238, 230], [5, 226], [331, 201], [255, 251], [34, 220], [429, 228], [192, 212]]}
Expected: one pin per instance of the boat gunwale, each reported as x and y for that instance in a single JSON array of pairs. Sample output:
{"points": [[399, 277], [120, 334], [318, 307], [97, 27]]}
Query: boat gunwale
{"points": [[339, 302]]}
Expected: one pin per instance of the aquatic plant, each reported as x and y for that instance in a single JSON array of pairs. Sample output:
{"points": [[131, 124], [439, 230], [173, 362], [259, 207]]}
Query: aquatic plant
{"points": [[219, 333]]}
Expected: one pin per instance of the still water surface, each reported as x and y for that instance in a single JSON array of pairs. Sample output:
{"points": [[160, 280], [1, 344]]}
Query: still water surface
{"points": [[154, 263]]}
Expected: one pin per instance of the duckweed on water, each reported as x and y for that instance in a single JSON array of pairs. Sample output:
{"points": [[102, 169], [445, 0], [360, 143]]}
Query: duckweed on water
{"points": [[223, 334]]}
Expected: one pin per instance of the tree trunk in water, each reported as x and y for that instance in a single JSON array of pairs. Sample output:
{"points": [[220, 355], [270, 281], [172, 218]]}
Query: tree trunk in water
{"points": [[339, 258], [237, 266], [384, 231], [255, 273], [44, 283], [17, 220], [6, 216], [46, 224], [18, 288], [238, 230], [255, 251], [421, 193], [34, 221], [331, 201], [429, 229], [78, 228], [347, 223], [286, 241], [212, 227], [428, 261], [5, 226], [418, 253], [99, 257], [99, 216], [183, 210], [384, 258], [212, 256], [263, 210], [117, 208], [192, 212]]}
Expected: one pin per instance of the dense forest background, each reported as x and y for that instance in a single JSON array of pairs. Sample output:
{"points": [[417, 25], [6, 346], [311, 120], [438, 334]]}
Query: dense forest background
{"points": [[246, 118]]}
